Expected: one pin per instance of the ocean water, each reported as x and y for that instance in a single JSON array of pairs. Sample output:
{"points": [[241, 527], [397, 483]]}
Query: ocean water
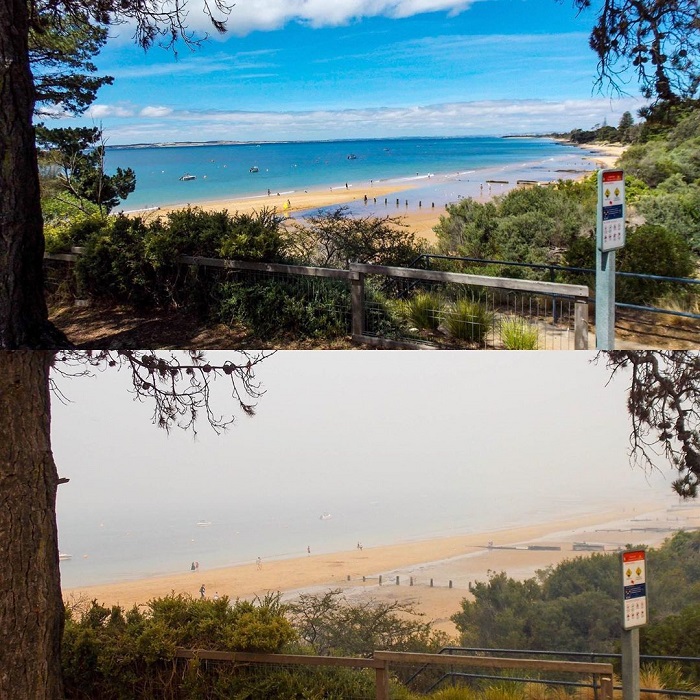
{"points": [[433, 165], [138, 541]]}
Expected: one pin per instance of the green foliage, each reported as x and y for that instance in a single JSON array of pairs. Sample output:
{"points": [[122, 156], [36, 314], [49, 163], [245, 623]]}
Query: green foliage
{"points": [[61, 49], [531, 225], [469, 320], [114, 264], [112, 653], [255, 237], [288, 306], [335, 238], [576, 605], [518, 334], [468, 229], [675, 206], [675, 635], [641, 254], [334, 626], [423, 310], [66, 226], [78, 154]]}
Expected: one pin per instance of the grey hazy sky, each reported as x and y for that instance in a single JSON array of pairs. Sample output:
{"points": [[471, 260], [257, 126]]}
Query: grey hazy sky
{"points": [[340, 422]]}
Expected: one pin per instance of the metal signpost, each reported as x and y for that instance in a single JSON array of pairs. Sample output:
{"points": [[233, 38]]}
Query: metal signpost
{"points": [[610, 235], [634, 586]]}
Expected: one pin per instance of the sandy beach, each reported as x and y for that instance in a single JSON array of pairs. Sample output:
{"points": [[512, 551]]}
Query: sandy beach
{"points": [[419, 219], [459, 560]]}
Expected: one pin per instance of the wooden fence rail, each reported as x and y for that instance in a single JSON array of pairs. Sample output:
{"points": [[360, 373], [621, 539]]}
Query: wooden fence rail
{"points": [[357, 272], [602, 673]]}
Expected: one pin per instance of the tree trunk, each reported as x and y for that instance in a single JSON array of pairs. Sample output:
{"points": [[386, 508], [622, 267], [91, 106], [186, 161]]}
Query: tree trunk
{"points": [[31, 607], [23, 313]]}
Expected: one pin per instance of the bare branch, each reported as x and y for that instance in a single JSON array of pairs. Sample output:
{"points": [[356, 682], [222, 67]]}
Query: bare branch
{"points": [[178, 384], [664, 405]]}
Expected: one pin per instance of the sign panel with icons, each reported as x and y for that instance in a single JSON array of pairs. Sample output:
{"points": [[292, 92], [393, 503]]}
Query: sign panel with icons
{"points": [[611, 210], [634, 585]]}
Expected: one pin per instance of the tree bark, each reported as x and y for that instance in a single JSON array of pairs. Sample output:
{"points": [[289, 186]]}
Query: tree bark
{"points": [[23, 313], [31, 607]]}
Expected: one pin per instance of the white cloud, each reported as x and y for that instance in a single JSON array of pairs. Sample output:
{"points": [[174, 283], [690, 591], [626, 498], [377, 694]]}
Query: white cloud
{"points": [[155, 112], [491, 117], [256, 15], [102, 111]]}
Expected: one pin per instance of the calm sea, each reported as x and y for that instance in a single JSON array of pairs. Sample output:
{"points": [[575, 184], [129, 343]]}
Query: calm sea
{"points": [[138, 541], [224, 171]]}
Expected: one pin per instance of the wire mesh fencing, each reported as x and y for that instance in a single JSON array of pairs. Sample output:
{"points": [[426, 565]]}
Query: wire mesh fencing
{"points": [[453, 310], [386, 306]]}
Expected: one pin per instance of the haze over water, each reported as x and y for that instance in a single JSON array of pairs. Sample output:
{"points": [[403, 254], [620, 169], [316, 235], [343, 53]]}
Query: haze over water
{"points": [[394, 446]]}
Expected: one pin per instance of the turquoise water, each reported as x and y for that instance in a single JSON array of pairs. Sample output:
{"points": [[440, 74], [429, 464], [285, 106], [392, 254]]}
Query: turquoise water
{"points": [[223, 171]]}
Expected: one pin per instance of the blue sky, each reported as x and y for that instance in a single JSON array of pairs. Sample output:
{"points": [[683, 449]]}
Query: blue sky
{"points": [[319, 69]]}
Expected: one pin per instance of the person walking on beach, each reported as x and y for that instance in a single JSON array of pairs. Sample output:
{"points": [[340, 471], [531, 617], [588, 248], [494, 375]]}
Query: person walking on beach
{"points": [[216, 595], [259, 563], [308, 550], [202, 591], [192, 568]]}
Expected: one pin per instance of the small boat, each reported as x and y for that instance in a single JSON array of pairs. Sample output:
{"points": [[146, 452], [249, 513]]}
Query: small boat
{"points": [[187, 176], [65, 557], [325, 516], [254, 169], [203, 523], [352, 156]]}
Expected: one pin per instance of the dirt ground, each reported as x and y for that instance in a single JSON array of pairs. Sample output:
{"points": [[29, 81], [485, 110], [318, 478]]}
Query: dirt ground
{"points": [[112, 328], [109, 327]]}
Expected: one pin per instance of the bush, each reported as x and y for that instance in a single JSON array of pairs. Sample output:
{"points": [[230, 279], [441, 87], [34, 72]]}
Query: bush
{"points": [[114, 264], [273, 308], [334, 238], [66, 225], [652, 250], [469, 320], [111, 653], [255, 237], [423, 310], [518, 334]]}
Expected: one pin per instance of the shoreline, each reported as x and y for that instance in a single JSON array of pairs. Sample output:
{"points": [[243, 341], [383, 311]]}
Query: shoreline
{"points": [[460, 559], [418, 201]]}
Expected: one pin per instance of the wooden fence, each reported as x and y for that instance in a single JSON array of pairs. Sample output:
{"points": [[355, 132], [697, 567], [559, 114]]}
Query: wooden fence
{"points": [[381, 661], [357, 273]]}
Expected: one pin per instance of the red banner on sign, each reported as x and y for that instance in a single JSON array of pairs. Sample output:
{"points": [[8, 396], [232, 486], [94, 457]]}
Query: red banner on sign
{"points": [[633, 556], [613, 175]]}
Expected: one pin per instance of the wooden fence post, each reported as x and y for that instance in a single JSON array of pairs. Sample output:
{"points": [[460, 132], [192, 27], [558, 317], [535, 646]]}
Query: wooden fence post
{"points": [[382, 681], [357, 297], [580, 325], [606, 687]]}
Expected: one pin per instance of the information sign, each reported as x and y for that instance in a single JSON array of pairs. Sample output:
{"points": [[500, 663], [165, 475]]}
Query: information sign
{"points": [[611, 210], [635, 589]]}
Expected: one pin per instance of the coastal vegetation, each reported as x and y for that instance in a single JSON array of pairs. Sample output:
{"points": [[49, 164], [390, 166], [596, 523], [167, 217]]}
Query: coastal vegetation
{"points": [[575, 606], [555, 225]]}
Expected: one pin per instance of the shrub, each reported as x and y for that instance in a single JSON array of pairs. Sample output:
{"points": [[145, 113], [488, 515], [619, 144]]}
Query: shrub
{"points": [[113, 654], [191, 231], [518, 334], [334, 238], [469, 320], [652, 250], [273, 308], [423, 310], [114, 263], [66, 225]]}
